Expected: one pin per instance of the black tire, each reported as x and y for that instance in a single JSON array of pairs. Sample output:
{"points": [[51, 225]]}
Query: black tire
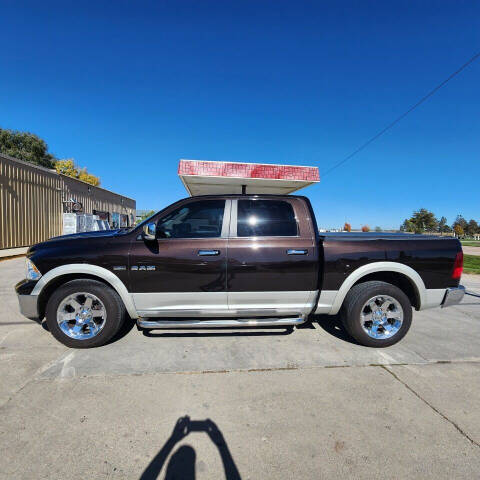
{"points": [[354, 302], [115, 312]]}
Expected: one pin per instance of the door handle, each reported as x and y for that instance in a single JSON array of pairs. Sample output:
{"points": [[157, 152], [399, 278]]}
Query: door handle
{"points": [[294, 251], [208, 253]]}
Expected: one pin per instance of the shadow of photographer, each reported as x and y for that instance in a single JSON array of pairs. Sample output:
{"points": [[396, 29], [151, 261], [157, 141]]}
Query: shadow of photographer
{"points": [[182, 463]]}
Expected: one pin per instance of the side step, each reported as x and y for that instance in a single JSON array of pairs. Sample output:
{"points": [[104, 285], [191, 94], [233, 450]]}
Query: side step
{"points": [[228, 323]]}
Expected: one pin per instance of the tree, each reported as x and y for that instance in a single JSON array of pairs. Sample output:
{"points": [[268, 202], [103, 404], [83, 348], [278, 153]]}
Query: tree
{"points": [[407, 226], [365, 228], [472, 228], [378, 229], [458, 229], [443, 227], [147, 215], [30, 148], [67, 167], [459, 220], [26, 146], [88, 177], [347, 227], [421, 221], [424, 221]]}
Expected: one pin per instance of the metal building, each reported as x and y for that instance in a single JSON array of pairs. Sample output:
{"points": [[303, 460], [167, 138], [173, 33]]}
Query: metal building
{"points": [[33, 200]]}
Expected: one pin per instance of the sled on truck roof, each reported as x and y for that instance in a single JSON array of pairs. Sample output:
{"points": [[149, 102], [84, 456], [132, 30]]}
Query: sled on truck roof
{"points": [[202, 177]]}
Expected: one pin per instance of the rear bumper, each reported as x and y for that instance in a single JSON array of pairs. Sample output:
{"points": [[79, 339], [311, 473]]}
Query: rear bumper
{"points": [[453, 296]]}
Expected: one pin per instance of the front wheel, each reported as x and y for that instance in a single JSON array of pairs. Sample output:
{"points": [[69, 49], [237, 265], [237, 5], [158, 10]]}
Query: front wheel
{"points": [[376, 314], [85, 313]]}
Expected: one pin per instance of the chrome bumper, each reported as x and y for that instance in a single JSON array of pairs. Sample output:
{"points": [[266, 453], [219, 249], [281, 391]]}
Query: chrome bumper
{"points": [[28, 306], [453, 296]]}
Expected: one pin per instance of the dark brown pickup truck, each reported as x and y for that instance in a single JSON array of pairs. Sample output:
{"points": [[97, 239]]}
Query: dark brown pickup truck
{"points": [[236, 261]]}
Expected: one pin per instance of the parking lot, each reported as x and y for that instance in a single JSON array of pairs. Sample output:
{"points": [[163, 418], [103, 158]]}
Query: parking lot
{"points": [[303, 403]]}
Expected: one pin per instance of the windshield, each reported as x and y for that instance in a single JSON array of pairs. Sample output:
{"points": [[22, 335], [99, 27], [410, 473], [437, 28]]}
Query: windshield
{"points": [[139, 225]]}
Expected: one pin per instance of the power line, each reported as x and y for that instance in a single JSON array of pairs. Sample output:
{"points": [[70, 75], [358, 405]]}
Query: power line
{"points": [[403, 115]]}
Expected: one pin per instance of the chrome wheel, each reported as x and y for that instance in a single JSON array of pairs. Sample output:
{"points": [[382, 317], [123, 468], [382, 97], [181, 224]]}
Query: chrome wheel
{"points": [[81, 316], [381, 317]]}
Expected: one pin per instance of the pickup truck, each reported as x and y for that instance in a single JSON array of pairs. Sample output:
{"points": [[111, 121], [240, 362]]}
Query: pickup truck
{"points": [[236, 261]]}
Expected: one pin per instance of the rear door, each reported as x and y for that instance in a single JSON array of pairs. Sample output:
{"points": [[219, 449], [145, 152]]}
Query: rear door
{"points": [[183, 271], [272, 257]]}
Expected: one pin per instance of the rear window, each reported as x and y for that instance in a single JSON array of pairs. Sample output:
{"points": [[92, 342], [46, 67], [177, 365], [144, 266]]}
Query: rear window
{"points": [[266, 218]]}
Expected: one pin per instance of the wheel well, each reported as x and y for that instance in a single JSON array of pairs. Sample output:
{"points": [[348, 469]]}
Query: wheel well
{"points": [[399, 280], [57, 282]]}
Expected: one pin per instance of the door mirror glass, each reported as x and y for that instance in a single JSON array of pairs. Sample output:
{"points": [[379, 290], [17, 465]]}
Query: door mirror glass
{"points": [[149, 231]]}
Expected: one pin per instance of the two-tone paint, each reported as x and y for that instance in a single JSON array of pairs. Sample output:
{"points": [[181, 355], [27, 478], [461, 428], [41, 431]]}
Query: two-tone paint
{"points": [[245, 276]]}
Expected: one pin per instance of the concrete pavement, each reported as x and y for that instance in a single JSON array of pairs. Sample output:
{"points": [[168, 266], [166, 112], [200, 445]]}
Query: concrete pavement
{"points": [[305, 403], [471, 250]]}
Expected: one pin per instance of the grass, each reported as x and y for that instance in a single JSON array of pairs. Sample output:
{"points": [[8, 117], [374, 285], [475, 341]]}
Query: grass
{"points": [[471, 243], [471, 264]]}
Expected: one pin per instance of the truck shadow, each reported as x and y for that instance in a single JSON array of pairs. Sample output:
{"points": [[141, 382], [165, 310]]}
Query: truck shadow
{"points": [[182, 463], [332, 325]]}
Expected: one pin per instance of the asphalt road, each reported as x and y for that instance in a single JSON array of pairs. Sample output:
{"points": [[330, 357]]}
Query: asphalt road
{"points": [[280, 404]]}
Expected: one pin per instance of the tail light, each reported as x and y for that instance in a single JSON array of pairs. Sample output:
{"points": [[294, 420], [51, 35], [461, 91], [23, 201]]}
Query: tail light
{"points": [[458, 266]]}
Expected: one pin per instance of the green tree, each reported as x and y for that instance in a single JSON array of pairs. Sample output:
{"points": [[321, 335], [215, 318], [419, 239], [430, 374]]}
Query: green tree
{"points": [[472, 228], [407, 226], [421, 221], [443, 227], [146, 215], [26, 146], [378, 229]]}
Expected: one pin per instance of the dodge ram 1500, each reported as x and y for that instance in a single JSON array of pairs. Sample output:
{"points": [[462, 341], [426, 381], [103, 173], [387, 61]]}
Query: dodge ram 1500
{"points": [[236, 261]]}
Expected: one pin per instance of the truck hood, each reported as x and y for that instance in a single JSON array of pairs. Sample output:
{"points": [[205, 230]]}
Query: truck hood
{"points": [[73, 237]]}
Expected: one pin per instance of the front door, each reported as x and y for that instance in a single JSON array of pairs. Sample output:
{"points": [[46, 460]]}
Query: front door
{"points": [[183, 272]]}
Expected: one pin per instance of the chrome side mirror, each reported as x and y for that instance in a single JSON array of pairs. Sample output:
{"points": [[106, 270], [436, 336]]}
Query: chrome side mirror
{"points": [[149, 231]]}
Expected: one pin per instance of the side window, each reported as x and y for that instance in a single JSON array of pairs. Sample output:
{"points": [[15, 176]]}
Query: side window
{"points": [[265, 218], [201, 219]]}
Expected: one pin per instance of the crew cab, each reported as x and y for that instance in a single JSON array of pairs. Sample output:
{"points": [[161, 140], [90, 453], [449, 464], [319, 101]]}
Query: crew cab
{"points": [[236, 261]]}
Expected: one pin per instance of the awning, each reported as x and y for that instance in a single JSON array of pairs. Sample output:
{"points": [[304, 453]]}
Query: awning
{"points": [[202, 177]]}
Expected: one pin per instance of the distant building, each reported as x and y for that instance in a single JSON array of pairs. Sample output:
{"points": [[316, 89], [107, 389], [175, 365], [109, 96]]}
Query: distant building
{"points": [[33, 200]]}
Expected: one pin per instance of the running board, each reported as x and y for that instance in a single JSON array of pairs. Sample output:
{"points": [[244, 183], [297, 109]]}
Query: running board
{"points": [[229, 323]]}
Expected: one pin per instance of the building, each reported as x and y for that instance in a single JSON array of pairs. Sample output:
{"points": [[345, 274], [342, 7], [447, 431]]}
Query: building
{"points": [[33, 200]]}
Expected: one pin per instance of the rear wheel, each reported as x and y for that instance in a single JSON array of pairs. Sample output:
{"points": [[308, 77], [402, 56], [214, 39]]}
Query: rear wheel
{"points": [[376, 314], [85, 313]]}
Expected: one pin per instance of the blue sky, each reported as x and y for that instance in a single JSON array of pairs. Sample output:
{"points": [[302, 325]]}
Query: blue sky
{"points": [[129, 88]]}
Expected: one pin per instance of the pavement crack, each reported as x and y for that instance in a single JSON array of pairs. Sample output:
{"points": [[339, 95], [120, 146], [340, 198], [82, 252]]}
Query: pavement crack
{"points": [[426, 402]]}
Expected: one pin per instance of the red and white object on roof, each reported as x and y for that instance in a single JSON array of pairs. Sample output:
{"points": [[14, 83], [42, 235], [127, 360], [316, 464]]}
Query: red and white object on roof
{"points": [[202, 177]]}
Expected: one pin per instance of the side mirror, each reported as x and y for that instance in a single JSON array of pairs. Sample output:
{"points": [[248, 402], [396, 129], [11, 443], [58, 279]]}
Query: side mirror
{"points": [[149, 231]]}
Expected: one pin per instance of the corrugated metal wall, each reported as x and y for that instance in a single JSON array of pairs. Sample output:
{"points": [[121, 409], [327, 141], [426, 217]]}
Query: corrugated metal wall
{"points": [[31, 202]]}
